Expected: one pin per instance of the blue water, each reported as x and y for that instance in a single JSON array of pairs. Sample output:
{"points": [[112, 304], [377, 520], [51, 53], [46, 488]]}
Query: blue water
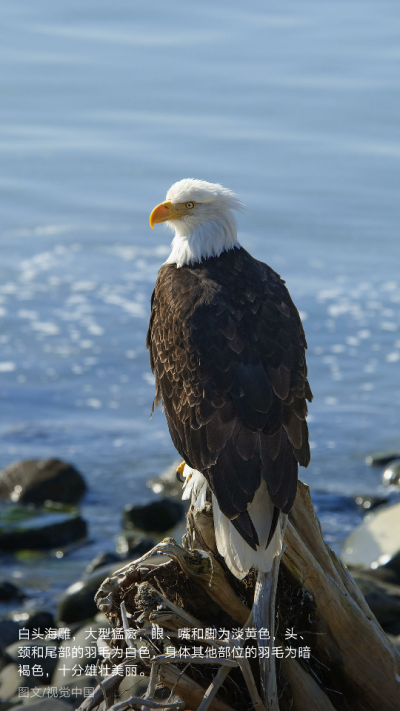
{"points": [[294, 106]]}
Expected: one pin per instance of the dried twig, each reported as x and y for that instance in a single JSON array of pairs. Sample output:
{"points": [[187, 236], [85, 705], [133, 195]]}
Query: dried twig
{"points": [[213, 688]]}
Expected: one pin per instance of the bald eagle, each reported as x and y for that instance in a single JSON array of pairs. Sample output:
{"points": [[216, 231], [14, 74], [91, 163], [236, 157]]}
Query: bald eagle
{"points": [[227, 347]]}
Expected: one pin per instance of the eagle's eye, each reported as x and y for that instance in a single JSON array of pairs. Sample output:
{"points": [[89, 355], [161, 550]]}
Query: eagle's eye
{"points": [[189, 205]]}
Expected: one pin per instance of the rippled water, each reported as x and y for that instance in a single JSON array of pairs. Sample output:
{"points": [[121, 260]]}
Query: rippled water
{"points": [[104, 105]]}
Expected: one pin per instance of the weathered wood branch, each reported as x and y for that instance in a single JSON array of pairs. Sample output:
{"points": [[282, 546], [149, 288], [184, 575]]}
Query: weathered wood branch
{"points": [[351, 667], [364, 666]]}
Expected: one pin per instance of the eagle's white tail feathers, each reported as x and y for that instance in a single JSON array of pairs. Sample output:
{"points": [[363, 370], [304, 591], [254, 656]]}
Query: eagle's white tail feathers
{"points": [[238, 555]]}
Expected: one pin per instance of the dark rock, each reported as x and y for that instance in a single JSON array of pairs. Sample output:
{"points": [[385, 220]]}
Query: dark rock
{"points": [[384, 600], [9, 632], [391, 475], [5, 659], [377, 459], [77, 604], [38, 480], [40, 529], [368, 503], [394, 566], [85, 638], [394, 641], [102, 559], [157, 516], [382, 572], [167, 484], [36, 620], [9, 592], [132, 546]]}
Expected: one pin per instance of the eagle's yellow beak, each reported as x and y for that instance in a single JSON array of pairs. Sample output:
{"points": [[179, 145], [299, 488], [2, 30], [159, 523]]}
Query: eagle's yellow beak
{"points": [[165, 211]]}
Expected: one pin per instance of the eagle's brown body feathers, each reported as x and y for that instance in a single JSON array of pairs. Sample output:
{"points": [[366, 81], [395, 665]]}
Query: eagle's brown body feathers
{"points": [[228, 351]]}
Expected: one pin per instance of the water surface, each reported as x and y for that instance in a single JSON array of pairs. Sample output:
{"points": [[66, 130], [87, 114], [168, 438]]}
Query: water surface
{"points": [[103, 106]]}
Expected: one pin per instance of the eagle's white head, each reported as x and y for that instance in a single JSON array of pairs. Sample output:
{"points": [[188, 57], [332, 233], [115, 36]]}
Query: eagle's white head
{"points": [[201, 215]]}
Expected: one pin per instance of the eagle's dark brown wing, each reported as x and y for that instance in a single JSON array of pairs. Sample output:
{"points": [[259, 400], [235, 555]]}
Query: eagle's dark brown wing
{"points": [[228, 350]]}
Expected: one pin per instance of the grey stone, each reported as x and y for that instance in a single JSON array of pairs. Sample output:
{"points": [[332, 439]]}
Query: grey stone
{"points": [[376, 541], [5, 659], [157, 516], [47, 663], [391, 475], [86, 639], [10, 681], [37, 480]]}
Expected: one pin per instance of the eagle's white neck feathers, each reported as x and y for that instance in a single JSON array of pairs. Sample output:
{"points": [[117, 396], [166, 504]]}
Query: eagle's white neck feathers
{"points": [[211, 228]]}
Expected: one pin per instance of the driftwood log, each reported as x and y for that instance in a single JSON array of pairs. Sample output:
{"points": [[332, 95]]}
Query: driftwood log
{"points": [[350, 664]]}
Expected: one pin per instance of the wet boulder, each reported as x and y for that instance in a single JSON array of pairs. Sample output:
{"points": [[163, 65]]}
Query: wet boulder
{"points": [[9, 632], [391, 475], [34, 619], [10, 681], [10, 592], [168, 483], [381, 458], [368, 503], [53, 526], [34, 653], [383, 599], [376, 541], [77, 603], [84, 639], [34, 481], [157, 516], [102, 559], [130, 545]]}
